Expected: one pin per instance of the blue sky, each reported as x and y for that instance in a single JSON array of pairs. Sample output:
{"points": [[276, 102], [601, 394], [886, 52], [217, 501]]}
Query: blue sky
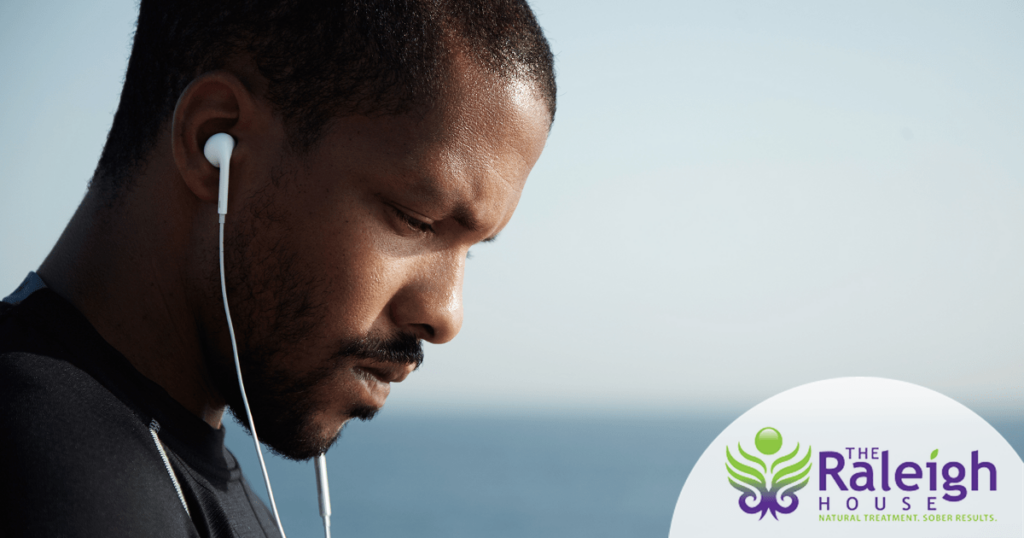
{"points": [[736, 198]]}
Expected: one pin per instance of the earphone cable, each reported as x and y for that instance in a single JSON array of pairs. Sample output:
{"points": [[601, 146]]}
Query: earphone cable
{"points": [[241, 385]]}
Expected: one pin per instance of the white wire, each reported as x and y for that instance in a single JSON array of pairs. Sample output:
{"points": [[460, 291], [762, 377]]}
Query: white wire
{"points": [[241, 385], [323, 492], [154, 427]]}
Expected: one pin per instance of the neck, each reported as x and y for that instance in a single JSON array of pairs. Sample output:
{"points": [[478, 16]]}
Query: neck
{"points": [[124, 272]]}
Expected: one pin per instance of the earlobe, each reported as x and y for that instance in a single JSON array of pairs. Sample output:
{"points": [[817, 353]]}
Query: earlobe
{"points": [[213, 103]]}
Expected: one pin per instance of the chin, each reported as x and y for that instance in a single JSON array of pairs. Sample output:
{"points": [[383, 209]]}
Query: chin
{"points": [[297, 434]]}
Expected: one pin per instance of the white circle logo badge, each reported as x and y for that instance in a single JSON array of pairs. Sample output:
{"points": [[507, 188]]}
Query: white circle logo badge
{"points": [[855, 457]]}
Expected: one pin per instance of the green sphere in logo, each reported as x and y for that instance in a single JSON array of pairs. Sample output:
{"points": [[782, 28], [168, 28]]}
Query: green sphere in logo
{"points": [[768, 441]]}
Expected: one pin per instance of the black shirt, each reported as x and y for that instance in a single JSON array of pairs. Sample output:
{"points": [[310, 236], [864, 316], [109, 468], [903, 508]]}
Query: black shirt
{"points": [[79, 454]]}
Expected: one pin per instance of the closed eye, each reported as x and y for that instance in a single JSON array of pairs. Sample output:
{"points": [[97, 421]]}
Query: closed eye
{"points": [[414, 223]]}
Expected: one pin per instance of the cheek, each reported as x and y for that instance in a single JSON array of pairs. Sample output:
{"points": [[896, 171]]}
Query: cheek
{"points": [[356, 261]]}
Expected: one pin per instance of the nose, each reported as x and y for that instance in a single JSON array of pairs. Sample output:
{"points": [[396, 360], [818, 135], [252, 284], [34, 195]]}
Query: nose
{"points": [[429, 306]]}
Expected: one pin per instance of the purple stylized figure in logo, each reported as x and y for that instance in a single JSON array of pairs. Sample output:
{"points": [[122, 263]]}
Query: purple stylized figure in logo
{"points": [[758, 494]]}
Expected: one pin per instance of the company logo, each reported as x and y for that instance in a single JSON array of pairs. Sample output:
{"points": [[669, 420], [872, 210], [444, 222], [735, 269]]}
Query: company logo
{"points": [[889, 459], [768, 488]]}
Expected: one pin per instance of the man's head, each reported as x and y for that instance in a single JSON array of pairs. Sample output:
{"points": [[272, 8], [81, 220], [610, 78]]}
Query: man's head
{"points": [[376, 142], [315, 60]]}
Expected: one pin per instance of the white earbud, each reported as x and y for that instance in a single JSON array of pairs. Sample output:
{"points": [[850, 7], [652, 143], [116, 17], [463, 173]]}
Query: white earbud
{"points": [[218, 151]]}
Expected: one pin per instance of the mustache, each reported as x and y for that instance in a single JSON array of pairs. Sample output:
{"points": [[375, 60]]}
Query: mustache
{"points": [[363, 412], [399, 349]]}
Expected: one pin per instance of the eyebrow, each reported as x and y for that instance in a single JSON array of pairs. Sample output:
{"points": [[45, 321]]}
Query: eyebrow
{"points": [[464, 217], [427, 187]]}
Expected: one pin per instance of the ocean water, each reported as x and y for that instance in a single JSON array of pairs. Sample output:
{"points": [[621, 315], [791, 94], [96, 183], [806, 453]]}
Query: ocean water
{"points": [[499, 477]]}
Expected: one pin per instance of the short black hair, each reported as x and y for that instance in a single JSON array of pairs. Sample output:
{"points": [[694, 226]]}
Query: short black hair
{"points": [[320, 59]]}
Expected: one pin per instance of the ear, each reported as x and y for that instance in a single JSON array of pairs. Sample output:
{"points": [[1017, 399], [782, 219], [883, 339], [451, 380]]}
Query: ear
{"points": [[215, 102]]}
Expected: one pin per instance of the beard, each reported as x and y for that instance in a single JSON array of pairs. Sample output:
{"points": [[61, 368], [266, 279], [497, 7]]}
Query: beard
{"points": [[284, 405], [276, 313]]}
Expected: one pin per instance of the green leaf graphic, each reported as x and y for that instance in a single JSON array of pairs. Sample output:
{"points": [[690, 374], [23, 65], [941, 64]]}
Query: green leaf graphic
{"points": [[741, 488], [786, 458], [754, 459], [935, 453], [744, 469], [778, 485], [780, 479]]}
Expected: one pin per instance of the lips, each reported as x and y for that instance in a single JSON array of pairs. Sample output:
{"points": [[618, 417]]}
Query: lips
{"points": [[385, 372], [376, 378]]}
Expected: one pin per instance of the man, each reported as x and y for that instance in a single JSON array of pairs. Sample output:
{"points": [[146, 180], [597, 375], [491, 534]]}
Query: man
{"points": [[376, 142]]}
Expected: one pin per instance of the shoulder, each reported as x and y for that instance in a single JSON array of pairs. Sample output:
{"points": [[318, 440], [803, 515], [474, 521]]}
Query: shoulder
{"points": [[79, 461], [44, 393], [42, 396]]}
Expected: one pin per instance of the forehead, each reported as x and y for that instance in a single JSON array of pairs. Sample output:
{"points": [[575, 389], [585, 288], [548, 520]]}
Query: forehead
{"points": [[469, 155]]}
